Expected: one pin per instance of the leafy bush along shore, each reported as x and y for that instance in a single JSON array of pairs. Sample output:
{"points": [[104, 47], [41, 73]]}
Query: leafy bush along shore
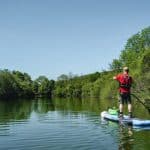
{"points": [[135, 55], [14, 84]]}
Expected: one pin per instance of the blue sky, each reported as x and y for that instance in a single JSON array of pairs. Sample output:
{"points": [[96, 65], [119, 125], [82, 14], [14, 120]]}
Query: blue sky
{"points": [[54, 37]]}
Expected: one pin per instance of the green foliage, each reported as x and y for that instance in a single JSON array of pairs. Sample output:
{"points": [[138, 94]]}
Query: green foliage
{"points": [[24, 82], [142, 83], [8, 86], [145, 61], [43, 87], [116, 64], [17, 84]]}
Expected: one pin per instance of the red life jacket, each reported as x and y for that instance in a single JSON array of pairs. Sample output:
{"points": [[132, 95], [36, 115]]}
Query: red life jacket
{"points": [[125, 81]]}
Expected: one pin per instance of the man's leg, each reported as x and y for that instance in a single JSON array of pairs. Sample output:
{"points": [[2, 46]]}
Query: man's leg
{"points": [[121, 100], [121, 108], [129, 106]]}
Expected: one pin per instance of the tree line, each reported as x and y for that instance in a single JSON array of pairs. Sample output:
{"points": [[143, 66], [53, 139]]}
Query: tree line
{"points": [[135, 55], [15, 84]]}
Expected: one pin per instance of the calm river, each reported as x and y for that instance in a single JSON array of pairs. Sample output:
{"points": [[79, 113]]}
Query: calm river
{"points": [[66, 125]]}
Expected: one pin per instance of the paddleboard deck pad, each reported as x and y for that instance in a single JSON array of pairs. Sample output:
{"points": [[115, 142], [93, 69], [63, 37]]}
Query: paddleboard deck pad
{"points": [[125, 119]]}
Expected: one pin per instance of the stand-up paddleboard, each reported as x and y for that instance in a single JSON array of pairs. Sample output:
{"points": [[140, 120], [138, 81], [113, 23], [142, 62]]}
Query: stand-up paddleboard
{"points": [[125, 119]]}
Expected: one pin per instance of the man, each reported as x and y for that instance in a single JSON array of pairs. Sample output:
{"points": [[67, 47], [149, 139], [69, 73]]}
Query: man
{"points": [[125, 82]]}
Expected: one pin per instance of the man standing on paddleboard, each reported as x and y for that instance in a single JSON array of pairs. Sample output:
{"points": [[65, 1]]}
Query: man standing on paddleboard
{"points": [[125, 82]]}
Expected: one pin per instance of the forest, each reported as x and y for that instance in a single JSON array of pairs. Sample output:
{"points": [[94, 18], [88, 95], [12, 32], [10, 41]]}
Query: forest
{"points": [[135, 55]]}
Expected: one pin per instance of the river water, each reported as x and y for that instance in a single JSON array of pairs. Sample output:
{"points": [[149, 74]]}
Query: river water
{"points": [[69, 124]]}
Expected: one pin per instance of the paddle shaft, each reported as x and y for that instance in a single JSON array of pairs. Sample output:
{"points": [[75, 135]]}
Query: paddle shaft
{"points": [[141, 102]]}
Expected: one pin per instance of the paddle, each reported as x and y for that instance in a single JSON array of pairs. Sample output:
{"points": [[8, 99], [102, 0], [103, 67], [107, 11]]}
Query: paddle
{"points": [[148, 108]]}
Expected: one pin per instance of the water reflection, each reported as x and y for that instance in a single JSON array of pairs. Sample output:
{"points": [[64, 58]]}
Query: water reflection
{"points": [[22, 109], [18, 110], [124, 132], [52, 120], [126, 138]]}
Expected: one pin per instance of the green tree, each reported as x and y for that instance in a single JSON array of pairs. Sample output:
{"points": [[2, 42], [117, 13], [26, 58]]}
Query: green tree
{"points": [[8, 85], [44, 86]]}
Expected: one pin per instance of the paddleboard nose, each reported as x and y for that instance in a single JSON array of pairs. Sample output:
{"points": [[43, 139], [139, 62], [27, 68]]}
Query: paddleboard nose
{"points": [[103, 114]]}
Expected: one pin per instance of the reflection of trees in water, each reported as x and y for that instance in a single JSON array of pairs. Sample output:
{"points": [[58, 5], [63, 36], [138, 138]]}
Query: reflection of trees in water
{"points": [[126, 140], [42, 105], [21, 109], [14, 110], [77, 104]]}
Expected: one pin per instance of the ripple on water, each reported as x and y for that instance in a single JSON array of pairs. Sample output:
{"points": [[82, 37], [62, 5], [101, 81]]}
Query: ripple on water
{"points": [[58, 130]]}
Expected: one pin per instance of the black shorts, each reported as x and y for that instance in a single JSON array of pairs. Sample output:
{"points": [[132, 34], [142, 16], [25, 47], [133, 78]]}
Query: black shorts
{"points": [[125, 98]]}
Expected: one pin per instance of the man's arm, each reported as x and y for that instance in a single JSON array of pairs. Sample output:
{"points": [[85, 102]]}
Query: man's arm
{"points": [[114, 77], [117, 77]]}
